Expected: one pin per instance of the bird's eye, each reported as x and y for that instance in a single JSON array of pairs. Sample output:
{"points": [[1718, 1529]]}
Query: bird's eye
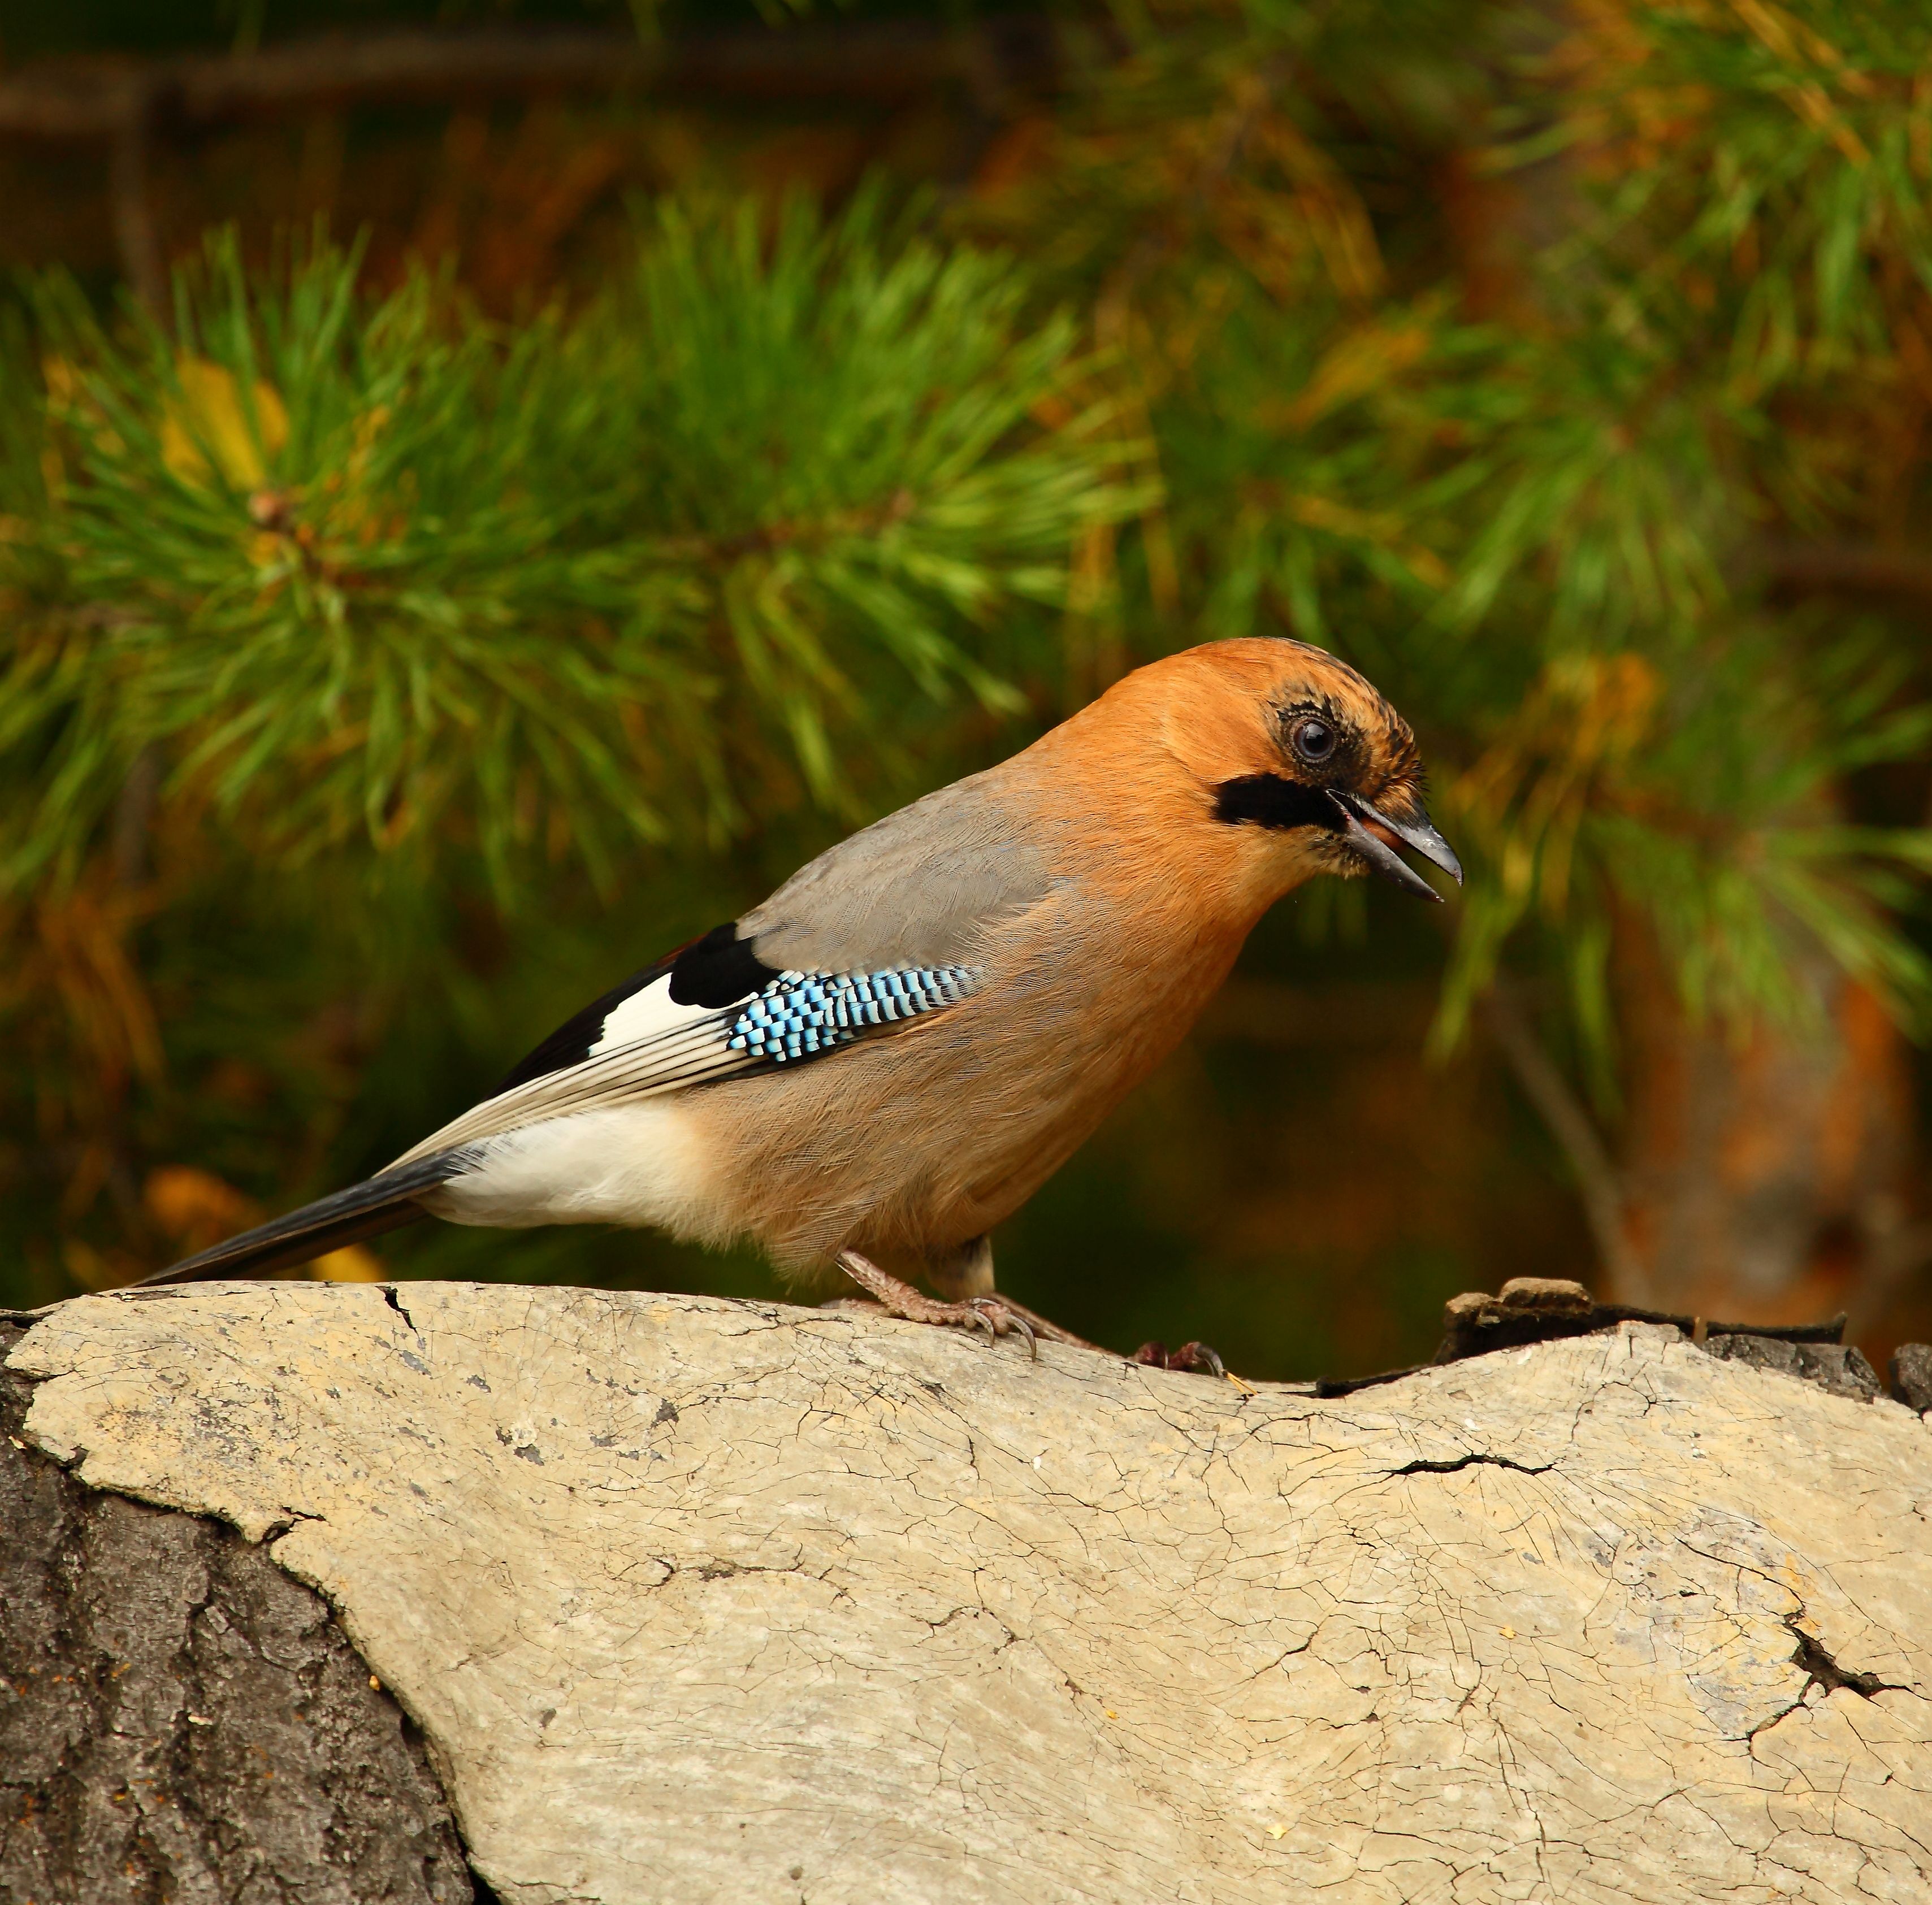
{"points": [[1313, 740]]}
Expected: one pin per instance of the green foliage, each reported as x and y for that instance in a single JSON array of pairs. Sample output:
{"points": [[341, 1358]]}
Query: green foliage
{"points": [[382, 573], [411, 612], [1529, 444], [1540, 360]]}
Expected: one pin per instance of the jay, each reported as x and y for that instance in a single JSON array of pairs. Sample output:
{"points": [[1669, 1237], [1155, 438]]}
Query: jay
{"points": [[875, 1066]]}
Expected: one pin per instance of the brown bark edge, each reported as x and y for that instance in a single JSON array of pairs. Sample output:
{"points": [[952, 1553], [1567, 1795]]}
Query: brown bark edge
{"points": [[180, 1720]]}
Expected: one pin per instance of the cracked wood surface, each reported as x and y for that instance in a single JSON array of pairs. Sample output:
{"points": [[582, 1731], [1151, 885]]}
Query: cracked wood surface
{"points": [[698, 1601], [180, 1721]]}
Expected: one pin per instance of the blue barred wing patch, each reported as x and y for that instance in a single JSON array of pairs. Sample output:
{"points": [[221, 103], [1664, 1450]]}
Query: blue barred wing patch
{"points": [[800, 1014]]}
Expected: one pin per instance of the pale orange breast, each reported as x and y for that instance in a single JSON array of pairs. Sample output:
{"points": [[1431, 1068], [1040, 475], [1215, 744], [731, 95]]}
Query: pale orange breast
{"points": [[908, 1144]]}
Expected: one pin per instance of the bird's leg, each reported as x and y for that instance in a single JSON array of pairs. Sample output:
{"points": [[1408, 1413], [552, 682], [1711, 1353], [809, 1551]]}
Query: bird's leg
{"points": [[993, 1314], [968, 1274], [967, 1279]]}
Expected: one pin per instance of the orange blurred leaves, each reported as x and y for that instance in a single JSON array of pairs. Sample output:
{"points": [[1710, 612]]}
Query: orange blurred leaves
{"points": [[1568, 745], [194, 1209]]}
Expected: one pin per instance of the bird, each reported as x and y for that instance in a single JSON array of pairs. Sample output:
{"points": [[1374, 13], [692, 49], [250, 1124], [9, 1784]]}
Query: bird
{"points": [[871, 1069]]}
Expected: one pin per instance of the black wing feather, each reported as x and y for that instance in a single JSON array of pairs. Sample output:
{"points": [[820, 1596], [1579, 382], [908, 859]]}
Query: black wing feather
{"points": [[714, 972], [570, 1044], [383, 1202]]}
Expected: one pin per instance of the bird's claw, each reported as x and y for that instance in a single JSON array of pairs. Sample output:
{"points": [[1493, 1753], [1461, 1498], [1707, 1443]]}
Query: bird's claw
{"points": [[977, 1313], [972, 1317], [1000, 1319], [1200, 1358]]}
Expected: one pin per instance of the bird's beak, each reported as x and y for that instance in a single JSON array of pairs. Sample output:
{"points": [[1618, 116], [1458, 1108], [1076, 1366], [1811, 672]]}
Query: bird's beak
{"points": [[1375, 836]]}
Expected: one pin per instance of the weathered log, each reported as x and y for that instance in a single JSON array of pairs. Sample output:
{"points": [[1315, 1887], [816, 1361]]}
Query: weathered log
{"points": [[697, 1600], [180, 1720]]}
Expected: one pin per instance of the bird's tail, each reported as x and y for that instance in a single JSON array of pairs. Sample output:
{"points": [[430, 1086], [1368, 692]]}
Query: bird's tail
{"points": [[385, 1201]]}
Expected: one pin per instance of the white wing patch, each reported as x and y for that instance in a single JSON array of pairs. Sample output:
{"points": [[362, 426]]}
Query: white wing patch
{"points": [[646, 1013]]}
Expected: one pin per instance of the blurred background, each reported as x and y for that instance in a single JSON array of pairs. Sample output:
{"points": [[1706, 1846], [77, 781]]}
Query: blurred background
{"points": [[486, 489]]}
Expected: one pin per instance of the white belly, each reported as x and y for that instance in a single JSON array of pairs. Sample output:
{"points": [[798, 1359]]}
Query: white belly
{"points": [[642, 1165]]}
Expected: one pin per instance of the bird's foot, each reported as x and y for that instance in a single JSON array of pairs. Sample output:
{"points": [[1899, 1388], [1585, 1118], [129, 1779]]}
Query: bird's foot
{"points": [[1196, 1357], [993, 1314], [1045, 1326], [1190, 1356]]}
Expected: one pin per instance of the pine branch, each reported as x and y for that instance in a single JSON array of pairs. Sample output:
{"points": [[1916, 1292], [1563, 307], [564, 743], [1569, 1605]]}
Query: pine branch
{"points": [[389, 572]]}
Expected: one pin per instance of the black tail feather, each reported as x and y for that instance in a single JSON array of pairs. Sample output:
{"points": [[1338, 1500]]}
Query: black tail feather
{"points": [[385, 1202]]}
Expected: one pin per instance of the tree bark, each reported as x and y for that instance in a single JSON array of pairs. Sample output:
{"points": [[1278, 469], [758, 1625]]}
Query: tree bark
{"points": [[695, 1600], [179, 1720]]}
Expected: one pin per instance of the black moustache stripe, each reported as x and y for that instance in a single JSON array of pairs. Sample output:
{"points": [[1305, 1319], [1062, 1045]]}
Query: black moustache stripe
{"points": [[1272, 800]]}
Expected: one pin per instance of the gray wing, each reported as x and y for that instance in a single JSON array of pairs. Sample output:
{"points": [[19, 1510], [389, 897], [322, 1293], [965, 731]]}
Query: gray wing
{"points": [[916, 889], [882, 927]]}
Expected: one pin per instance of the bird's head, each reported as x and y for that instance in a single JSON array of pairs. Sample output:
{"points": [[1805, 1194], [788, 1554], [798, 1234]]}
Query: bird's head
{"points": [[1302, 756]]}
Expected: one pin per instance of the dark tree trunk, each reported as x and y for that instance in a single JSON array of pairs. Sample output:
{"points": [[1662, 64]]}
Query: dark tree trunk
{"points": [[181, 1721]]}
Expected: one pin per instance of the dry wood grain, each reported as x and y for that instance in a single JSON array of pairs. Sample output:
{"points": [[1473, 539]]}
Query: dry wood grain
{"points": [[697, 1599]]}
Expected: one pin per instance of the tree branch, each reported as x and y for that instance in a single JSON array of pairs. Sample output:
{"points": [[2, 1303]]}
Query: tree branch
{"points": [[1828, 568], [683, 1595], [129, 105], [884, 61], [1597, 1178], [132, 210]]}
